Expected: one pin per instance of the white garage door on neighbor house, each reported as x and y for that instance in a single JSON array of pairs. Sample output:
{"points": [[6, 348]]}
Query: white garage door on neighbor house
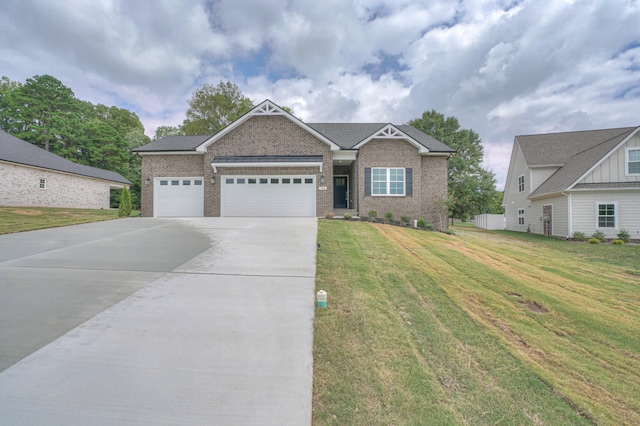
{"points": [[268, 196], [179, 197]]}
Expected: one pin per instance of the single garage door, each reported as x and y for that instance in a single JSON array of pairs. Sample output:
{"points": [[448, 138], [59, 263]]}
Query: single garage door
{"points": [[268, 196], [179, 197]]}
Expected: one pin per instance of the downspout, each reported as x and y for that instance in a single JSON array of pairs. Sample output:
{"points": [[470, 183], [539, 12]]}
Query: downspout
{"points": [[569, 214], [357, 197]]}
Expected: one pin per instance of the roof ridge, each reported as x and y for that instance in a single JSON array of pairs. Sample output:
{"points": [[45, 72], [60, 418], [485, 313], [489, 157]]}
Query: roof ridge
{"points": [[628, 128]]}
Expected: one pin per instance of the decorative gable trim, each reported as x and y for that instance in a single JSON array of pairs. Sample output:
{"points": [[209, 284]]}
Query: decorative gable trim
{"points": [[604, 158], [392, 132], [266, 108]]}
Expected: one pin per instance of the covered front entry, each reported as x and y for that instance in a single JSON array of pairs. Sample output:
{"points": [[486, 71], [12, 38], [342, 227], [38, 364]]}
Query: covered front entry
{"points": [[268, 196], [178, 197]]}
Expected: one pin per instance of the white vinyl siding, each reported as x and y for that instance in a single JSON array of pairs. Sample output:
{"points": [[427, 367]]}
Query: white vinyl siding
{"points": [[614, 168], [268, 196], [540, 175], [560, 214], [627, 208], [515, 200]]}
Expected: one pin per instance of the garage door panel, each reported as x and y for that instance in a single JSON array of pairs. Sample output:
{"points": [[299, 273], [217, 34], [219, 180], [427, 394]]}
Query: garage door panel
{"points": [[179, 197], [269, 196]]}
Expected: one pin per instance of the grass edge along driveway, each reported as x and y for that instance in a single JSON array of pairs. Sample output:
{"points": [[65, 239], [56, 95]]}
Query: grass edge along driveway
{"points": [[20, 219], [477, 328]]}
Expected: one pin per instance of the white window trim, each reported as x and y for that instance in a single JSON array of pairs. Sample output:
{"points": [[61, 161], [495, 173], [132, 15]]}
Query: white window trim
{"points": [[524, 220], [626, 160], [42, 184], [524, 183], [388, 181], [615, 215]]}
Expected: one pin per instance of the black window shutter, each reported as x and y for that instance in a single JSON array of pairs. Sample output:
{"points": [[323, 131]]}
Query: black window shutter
{"points": [[367, 181], [408, 174]]}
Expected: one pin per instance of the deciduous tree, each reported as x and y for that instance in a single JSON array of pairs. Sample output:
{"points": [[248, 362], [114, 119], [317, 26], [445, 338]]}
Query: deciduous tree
{"points": [[212, 108], [472, 185]]}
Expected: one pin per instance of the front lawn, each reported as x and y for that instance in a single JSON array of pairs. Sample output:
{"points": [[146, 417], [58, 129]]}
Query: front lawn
{"points": [[19, 219], [478, 328]]}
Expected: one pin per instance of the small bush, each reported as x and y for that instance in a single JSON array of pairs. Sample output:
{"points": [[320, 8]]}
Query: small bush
{"points": [[598, 235], [624, 236], [424, 225], [388, 217], [617, 242], [594, 241], [329, 215], [348, 216], [448, 232], [578, 236], [405, 220], [124, 209], [372, 215]]}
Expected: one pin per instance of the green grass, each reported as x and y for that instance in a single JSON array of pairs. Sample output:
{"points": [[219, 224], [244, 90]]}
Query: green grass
{"points": [[19, 219], [478, 328]]}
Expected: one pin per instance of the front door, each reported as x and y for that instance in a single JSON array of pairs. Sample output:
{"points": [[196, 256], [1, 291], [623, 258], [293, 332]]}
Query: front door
{"points": [[547, 219], [339, 192]]}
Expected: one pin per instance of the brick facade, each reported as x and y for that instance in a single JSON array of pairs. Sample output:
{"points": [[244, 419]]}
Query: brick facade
{"points": [[21, 187], [278, 135]]}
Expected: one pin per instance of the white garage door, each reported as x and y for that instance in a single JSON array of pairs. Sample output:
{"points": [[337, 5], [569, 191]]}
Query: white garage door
{"points": [[179, 197], [267, 196]]}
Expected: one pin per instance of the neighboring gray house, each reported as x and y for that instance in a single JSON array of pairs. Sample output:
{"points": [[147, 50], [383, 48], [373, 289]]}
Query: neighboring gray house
{"points": [[34, 177], [562, 183], [269, 163]]}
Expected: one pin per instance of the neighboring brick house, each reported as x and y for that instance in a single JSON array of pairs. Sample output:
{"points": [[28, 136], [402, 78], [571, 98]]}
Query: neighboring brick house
{"points": [[269, 163], [34, 177], [561, 183]]}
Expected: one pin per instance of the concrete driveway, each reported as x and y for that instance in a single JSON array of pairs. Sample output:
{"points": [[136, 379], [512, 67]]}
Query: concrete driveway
{"points": [[158, 321]]}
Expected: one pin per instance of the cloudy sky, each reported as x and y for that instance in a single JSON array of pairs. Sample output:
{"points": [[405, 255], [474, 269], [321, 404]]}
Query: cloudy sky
{"points": [[502, 67]]}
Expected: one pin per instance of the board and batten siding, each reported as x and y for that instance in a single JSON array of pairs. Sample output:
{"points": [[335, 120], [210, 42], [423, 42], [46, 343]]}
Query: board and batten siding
{"points": [[517, 200], [627, 216], [613, 168], [560, 215]]}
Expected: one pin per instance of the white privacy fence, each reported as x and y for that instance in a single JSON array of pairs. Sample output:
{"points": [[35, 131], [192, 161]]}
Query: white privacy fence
{"points": [[491, 221]]}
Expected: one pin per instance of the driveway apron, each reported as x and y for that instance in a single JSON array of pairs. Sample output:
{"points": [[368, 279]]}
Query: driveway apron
{"points": [[220, 334]]}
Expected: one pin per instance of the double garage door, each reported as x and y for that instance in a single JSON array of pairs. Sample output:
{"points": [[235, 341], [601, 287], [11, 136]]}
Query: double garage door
{"points": [[268, 196], [248, 196]]}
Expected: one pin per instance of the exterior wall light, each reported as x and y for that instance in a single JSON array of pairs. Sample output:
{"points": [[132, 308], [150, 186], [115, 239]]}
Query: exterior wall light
{"points": [[322, 179], [146, 181], [213, 179]]}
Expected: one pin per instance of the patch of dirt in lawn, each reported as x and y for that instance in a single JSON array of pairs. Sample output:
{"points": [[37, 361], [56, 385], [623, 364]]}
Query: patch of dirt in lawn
{"points": [[26, 212], [534, 306]]}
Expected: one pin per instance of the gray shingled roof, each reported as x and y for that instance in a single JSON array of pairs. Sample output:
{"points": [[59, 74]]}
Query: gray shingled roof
{"points": [[576, 152], [17, 151], [174, 143], [345, 135]]}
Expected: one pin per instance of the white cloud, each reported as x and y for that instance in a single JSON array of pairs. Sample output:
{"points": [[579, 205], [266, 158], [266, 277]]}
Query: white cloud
{"points": [[502, 67]]}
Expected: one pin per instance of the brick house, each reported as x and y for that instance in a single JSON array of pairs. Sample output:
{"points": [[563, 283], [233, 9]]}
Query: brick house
{"points": [[269, 163], [34, 177]]}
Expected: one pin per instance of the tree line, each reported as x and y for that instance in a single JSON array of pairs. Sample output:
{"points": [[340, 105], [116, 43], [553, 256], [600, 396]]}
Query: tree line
{"points": [[45, 112]]}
